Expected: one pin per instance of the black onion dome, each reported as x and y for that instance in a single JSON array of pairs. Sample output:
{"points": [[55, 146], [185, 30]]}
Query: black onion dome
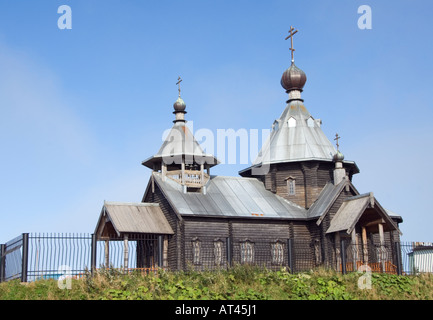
{"points": [[293, 78], [179, 105], [338, 157]]}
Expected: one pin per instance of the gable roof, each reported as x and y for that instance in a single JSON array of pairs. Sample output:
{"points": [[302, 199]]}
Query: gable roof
{"points": [[133, 218], [229, 197], [326, 199], [353, 208]]}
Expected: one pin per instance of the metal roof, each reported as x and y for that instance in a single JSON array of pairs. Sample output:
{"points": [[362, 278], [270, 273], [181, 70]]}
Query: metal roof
{"points": [[296, 136], [326, 199], [134, 218], [231, 197], [180, 142]]}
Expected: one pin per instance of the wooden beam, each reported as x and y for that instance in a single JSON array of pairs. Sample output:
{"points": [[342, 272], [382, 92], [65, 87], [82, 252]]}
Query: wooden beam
{"points": [[107, 253], [382, 247], [364, 245], [337, 250], [372, 223], [163, 171], [354, 248], [125, 252]]}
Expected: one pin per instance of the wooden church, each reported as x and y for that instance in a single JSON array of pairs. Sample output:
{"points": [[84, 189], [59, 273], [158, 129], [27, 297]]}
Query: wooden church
{"points": [[293, 207]]}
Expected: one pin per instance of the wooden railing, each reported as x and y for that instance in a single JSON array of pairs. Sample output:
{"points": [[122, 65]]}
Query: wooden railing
{"points": [[385, 266]]}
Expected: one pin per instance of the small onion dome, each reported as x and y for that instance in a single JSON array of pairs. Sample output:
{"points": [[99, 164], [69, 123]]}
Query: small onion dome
{"points": [[293, 78], [179, 105], [338, 157]]}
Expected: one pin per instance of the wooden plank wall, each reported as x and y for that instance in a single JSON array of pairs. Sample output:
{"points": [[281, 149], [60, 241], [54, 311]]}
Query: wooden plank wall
{"points": [[174, 242], [310, 178]]}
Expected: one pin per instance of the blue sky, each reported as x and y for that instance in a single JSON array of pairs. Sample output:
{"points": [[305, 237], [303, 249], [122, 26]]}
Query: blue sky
{"points": [[81, 108]]}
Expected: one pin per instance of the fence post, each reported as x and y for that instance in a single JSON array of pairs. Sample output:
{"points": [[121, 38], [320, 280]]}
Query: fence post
{"points": [[25, 257], [398, 258], [290, 255], [343, 256], [160, 251], [229, 251], [93, 254], [2, 262]]}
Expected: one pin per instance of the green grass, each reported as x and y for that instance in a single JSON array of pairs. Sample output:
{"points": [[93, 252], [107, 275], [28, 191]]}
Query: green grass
{"points": [[240, 283]]}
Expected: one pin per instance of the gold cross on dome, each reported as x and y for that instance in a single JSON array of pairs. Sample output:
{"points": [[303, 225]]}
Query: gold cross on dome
{"points": [[292, 32], [179, 80], [337, 137]]}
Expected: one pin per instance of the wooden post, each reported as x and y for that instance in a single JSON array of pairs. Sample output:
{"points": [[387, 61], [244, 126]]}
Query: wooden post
{"points": [[202, 174], [163, 171], [337, 251], [107, 253], [382, 247], [165, 255], [364, 245], [125, 253], [182, 178], [354, 249]]}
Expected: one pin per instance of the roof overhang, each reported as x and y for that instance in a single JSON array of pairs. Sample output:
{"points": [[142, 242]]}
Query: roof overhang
{"points": [[131, 218], [363, 210], [260, 167]]}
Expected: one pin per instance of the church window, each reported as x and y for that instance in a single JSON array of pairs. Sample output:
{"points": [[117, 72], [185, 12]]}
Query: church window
{"points": [[292, 122], [310, 122], [218, 252], [196, 250], [291, 186], [277, 252], [247, 252], [275, 126]]}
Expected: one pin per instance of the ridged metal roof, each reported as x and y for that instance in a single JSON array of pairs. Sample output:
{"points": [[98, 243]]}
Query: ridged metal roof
{"points": [[229, 196], [180, 142], [296, 136]]}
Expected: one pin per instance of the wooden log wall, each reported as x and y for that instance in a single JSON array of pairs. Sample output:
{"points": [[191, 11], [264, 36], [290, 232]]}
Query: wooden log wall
{"points": [[174, 254], [310, 178]]}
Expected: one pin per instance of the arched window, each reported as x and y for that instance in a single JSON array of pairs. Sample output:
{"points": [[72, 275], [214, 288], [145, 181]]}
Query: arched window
{"points": [[218, 251], [291, 186], [277, 252], [247, 252], [196, 249]]}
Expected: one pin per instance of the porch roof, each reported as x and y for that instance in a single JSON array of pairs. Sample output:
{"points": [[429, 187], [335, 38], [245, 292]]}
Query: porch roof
{"points": [[133, 218], [364, 209]]}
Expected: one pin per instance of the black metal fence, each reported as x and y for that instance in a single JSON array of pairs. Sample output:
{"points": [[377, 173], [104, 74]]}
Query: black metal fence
{"points": [[39, 256]]}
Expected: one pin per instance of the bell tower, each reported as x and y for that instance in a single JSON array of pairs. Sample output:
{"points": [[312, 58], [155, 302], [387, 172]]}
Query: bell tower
{"points": [[180, 157]]}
